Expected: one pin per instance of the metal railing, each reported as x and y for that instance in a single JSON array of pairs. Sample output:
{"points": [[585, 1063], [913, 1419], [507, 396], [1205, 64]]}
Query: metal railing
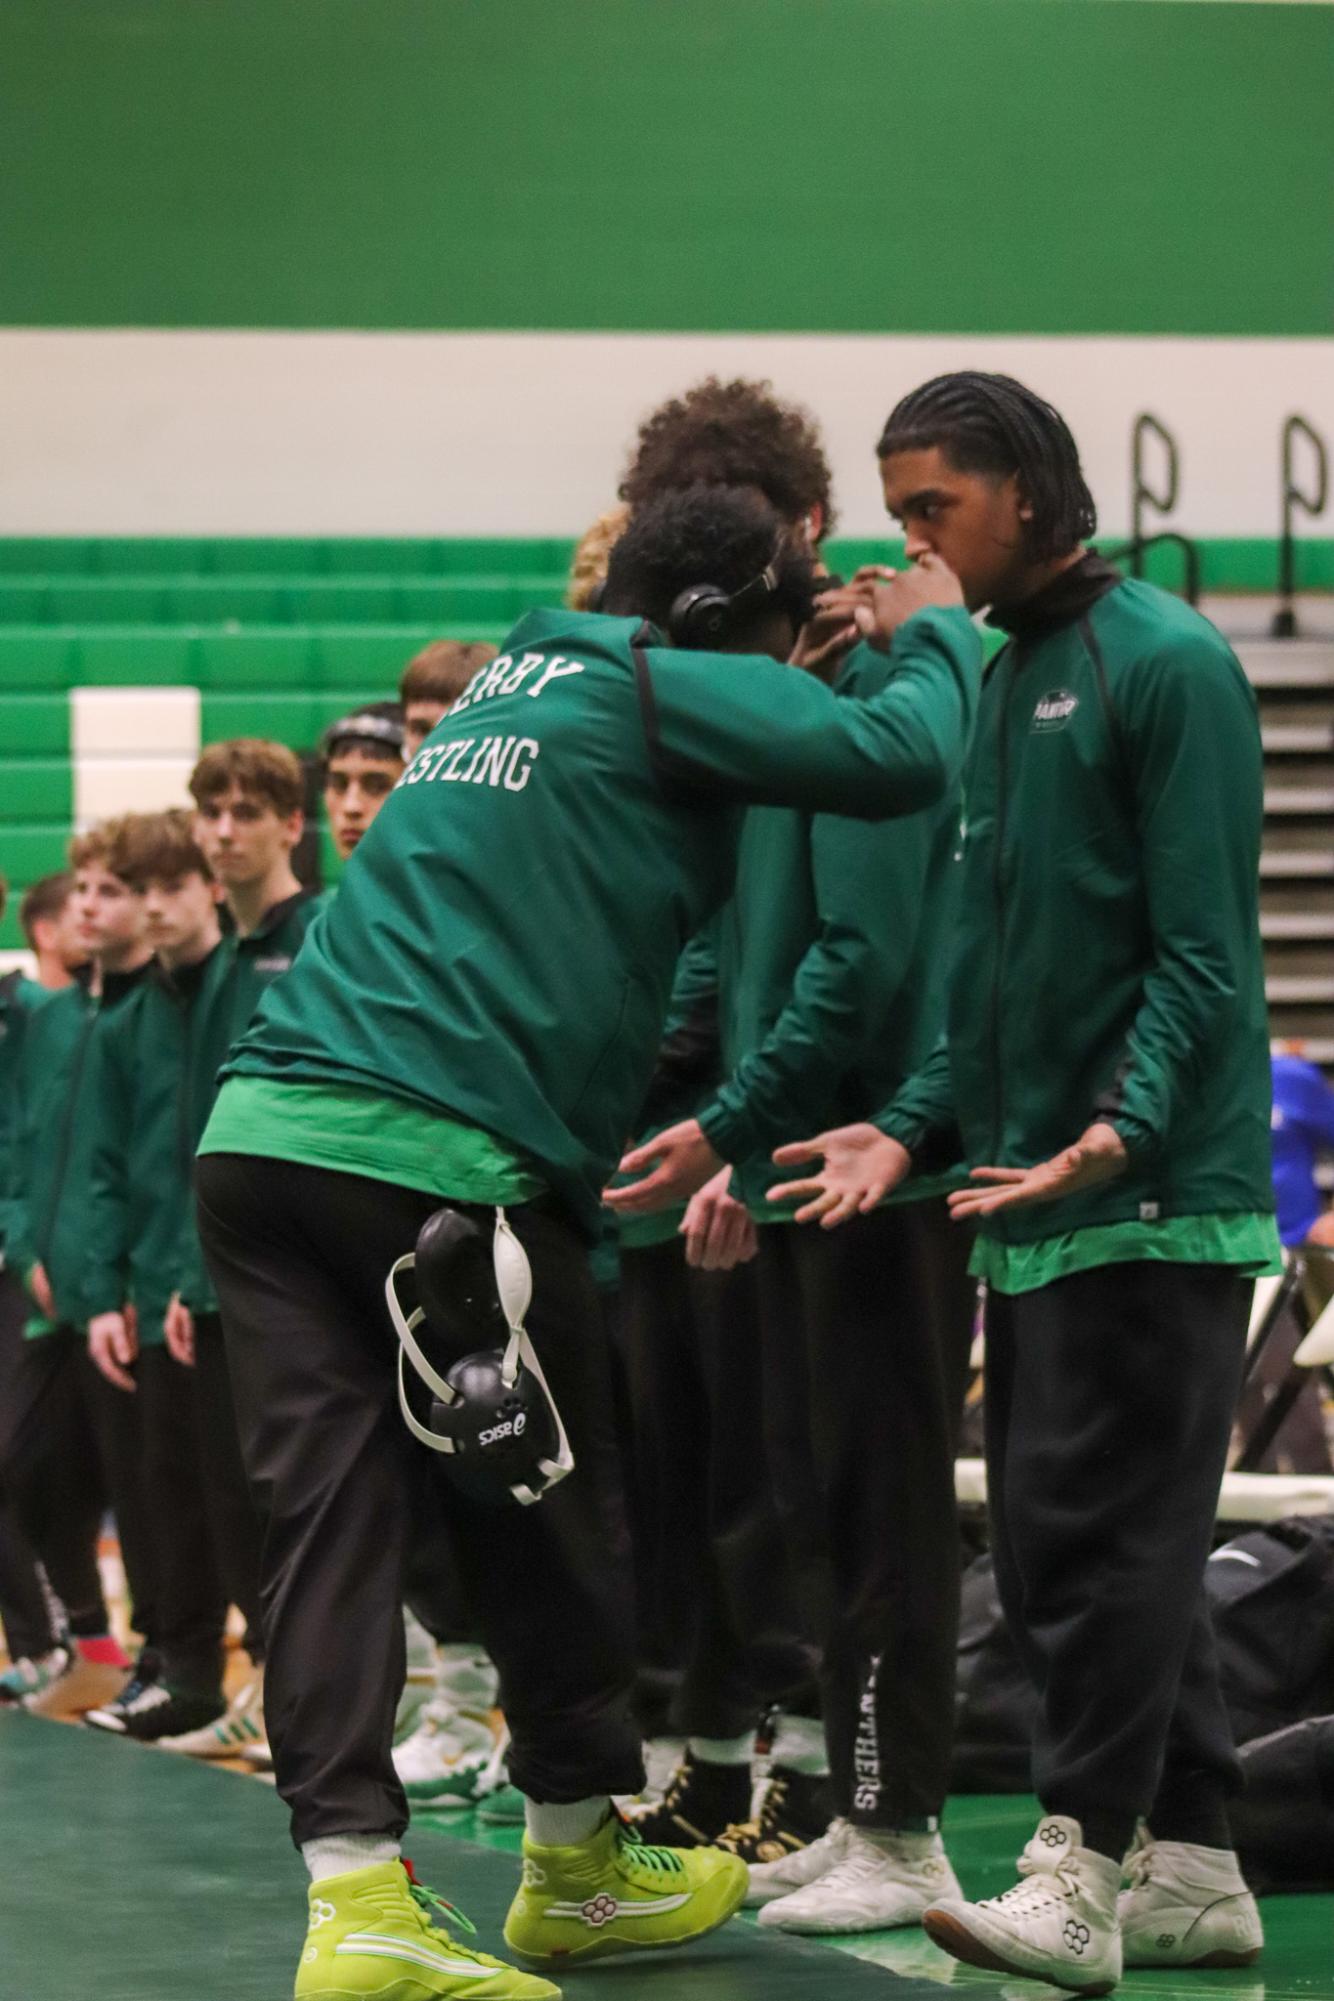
{"points": [[1295, 497], [1162, 499]]}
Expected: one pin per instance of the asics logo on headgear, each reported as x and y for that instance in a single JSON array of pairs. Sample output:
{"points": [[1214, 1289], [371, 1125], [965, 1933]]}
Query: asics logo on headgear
{"points": [[511, 1427]]}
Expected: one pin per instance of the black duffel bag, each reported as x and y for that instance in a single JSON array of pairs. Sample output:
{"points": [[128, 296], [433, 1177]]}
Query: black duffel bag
{"points": [[1271, 1596], [1283, 1824]]}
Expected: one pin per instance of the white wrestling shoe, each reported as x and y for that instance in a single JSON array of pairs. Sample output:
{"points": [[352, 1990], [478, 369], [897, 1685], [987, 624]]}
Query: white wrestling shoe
{"points": [[878, 1882], [770, 1880], [1187, 1906], [1058, 1923]]}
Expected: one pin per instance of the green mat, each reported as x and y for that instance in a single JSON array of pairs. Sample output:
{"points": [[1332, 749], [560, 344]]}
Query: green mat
{"points": [[130, 1875]]}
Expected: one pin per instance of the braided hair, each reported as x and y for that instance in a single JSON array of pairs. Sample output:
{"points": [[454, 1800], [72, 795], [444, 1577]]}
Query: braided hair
{"points": [[991, 423]]}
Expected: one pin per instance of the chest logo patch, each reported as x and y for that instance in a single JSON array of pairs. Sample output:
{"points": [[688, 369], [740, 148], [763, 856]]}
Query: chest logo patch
{"points": [[1054, 710]]}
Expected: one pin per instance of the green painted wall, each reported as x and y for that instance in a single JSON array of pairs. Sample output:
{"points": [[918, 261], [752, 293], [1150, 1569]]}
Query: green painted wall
{"points": [[900, 165]]}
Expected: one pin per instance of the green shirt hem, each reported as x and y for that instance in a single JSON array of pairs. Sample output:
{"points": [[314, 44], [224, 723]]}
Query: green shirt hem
{"points": [[352, 1131], [1249, 1242]]}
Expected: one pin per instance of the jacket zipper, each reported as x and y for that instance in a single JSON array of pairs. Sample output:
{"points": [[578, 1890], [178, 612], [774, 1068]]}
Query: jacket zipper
{"points": [[66, 1140], [998, 898]]}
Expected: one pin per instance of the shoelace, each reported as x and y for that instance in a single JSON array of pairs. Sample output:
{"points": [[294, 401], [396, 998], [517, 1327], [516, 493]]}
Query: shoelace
{"points": [[427, 1901], [632, 1849], [1044, 1888], [1139, 1868]]}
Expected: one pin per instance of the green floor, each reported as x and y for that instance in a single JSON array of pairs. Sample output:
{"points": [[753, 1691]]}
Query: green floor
{"points": [[132, 1876]]}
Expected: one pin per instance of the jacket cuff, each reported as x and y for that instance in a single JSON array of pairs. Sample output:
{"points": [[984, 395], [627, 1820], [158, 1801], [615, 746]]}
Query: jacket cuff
{"points": [[729, 1130]]}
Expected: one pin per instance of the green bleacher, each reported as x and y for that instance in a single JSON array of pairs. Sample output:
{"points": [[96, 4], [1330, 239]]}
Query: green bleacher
{"points": [[279, 635]]}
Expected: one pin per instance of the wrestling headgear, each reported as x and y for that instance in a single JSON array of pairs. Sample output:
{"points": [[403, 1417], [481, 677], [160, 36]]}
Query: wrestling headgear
{"points": [[491, 1412]]}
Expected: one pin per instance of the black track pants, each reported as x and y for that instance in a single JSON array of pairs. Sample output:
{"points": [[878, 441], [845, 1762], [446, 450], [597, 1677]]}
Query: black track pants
{"points": [[72, 1442], [712, 1584], [299, 1257], [234, 1525], [867, 1330], [191, 1606], [1109, 1403], [25, 1606]]}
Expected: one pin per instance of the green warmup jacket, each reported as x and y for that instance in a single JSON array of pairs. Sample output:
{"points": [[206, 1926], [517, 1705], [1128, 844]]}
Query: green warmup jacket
{"points": [[141, 1146], [58, 1081], [505, 937], [685, 1075], [19, 999], [832, 967], [237, 976], [1108, 961]]}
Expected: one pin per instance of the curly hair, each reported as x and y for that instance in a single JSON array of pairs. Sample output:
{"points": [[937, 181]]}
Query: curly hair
{"points": [[588, 565], [704, 534], [733, 434]]}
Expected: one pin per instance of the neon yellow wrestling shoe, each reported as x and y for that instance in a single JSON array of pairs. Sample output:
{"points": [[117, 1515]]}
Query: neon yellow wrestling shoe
{"points": [[616, 1894], [371, 1938]]}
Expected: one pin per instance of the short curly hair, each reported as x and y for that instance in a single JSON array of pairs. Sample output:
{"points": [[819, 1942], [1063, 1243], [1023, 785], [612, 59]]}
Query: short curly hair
{"points": [[704, 534], [733, 434]]}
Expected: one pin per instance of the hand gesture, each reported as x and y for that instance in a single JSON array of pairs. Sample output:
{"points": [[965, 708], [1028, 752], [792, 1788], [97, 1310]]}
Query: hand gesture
{"points": [[897, 594], [1098, 1155], [831, 630], [113, 1344], [717, 1228], [861, 1166], [681, 1160]]}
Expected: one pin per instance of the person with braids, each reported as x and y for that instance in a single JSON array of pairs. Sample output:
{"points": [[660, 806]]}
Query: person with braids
{"points": [[1106, 1061]]}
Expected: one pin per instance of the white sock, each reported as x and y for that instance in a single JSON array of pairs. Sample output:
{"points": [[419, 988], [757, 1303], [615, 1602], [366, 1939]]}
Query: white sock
{"points": [[723, 1750], [799, 1746], [338, 1854], [565, 1826]]}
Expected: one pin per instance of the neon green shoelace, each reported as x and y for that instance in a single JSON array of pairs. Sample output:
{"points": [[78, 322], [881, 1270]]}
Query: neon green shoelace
{"points": [[427, 1901]]}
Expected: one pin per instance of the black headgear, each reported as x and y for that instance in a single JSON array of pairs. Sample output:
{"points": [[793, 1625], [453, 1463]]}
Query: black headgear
{"points": [[363, 726], [491, 1412]]}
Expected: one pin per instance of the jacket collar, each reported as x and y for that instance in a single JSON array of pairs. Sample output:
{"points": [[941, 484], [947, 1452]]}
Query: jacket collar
{"points": [[115, 986], [274, 917], [1061, 602]]}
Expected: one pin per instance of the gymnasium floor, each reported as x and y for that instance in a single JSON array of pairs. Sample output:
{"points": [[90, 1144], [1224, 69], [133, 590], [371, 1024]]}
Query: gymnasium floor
{"points": [[134, 1876]]}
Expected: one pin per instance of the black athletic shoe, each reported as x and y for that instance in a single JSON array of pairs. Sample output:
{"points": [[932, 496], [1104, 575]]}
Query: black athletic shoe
{"points": [[146, 1674], [156, 1712], [700, 1801], [796, 1809]]}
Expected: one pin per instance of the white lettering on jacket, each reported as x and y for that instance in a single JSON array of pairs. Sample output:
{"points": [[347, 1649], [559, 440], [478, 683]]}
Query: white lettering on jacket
{"points": [[495, 760], [503, 677]]}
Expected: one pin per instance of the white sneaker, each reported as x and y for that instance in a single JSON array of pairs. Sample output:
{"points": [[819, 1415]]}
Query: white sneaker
{"points": [[879, 1881], [770, 1880], [236, 1732], [448, 1760], [1057, 1924], [1187, 1906]]}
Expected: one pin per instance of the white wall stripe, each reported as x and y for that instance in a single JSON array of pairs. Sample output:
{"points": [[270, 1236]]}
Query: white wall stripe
{"points": [[217, 433]]}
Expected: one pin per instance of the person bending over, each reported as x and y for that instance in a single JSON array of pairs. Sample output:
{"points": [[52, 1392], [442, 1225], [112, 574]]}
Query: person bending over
{"points": [[472, 1022]]}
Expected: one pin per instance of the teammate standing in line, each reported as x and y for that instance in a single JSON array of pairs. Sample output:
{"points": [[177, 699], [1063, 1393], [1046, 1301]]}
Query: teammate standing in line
{"points": [[1107, 1060], [69, 1441], [473, 1021], [139, 1189], [432, 682], [722, 1625], [361, 761], [27, 1614]]}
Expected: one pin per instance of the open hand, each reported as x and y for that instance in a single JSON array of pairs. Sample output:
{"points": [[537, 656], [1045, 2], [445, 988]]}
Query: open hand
{"points": [[681, 1161], [1098, 1155], [861, 1166]]}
